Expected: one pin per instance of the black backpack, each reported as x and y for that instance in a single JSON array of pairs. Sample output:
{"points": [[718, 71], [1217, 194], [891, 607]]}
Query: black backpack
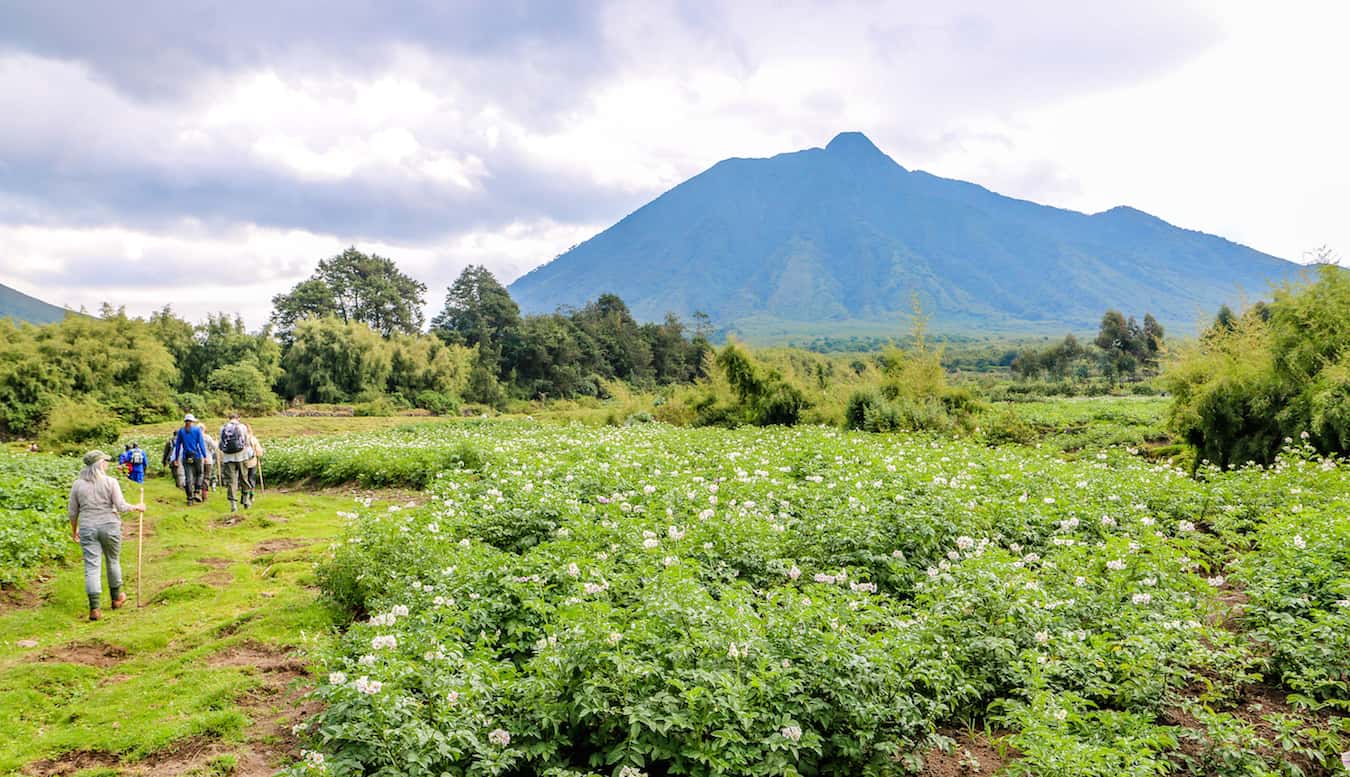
{"points": [[232, 438]]}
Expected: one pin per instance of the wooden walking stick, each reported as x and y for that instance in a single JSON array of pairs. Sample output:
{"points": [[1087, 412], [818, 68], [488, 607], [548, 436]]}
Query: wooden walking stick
{"points": [[140, 536]]}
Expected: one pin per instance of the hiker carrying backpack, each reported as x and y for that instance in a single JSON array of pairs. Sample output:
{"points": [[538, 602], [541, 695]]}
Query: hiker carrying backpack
{"points": [[234, 453], [233, 438], [136, 463]]}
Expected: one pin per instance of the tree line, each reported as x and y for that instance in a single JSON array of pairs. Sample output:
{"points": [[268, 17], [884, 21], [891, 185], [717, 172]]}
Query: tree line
{"points": [[1123, 349], [353, 332]]}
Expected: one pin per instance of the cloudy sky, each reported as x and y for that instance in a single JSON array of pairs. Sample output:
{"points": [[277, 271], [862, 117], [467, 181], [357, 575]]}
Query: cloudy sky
{"points": [[208, 155]]}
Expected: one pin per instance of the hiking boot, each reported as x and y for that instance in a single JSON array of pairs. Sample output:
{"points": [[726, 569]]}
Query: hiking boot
{"points": [[95, 614], [119, 601], [234, 509]]}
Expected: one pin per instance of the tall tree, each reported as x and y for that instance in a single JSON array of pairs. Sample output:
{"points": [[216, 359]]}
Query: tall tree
{"points": [[357, 288], [478, 311]]}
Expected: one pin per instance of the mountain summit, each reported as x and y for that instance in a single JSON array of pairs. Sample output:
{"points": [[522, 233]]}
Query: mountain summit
{"points": [[826, 239]]}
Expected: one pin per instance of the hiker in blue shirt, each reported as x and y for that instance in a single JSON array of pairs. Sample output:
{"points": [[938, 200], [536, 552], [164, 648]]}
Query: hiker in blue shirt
{"points": [[136, 463], [189, 451], [124, 459]]}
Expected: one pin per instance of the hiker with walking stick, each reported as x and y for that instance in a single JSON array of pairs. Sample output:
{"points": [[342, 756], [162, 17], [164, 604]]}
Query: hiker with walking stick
{"points": [[235, 451], [95, 509], [253, 465]]}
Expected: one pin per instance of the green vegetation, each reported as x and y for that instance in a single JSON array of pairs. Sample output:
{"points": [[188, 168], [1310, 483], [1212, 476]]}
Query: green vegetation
{"points": [[1122, 349], [579, 601], [354, 288], [113, 364], [33, 526], [1276, 373], [208, 672]]}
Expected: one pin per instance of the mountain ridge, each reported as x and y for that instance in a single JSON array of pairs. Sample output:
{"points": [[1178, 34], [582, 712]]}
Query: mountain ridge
{"points": [[25, 308], [846, 233]]}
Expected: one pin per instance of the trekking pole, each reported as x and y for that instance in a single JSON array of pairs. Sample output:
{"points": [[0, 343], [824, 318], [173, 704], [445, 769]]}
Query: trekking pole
{"points": [[140, 536]]}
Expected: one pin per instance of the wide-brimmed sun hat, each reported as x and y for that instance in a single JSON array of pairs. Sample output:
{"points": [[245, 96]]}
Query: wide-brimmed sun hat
{"points": [[93, 457], [189, 417]]}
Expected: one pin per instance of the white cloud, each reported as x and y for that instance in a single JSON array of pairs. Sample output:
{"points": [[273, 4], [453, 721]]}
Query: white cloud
{"points": [[200, 269], [1224, 117]]}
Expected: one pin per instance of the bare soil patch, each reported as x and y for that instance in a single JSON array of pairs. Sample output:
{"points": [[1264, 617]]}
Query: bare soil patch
{"points": [[92, 653], [71, 763], [268, 547], [220, 575], [970, 755], [12, 598], [255, 655]]}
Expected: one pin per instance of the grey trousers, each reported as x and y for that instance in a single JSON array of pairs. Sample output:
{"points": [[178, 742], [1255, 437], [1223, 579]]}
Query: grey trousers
{"points": [[237, 483], [101, 543]]}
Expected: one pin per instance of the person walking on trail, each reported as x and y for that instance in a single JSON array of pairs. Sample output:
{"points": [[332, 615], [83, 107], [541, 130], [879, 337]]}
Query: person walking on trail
{"points": [[95, 511], [136, 464], [124, 459], [211, 465], [254, 464], [235, 453], [170, 466], [189, 451]]}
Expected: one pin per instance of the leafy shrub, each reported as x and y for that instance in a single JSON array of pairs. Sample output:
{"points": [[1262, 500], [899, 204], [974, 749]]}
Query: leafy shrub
{"points": [[439, 403], [759, 396], [244, 388], [380, 406], [1006, 426], [1276, 372], [79, 425]]}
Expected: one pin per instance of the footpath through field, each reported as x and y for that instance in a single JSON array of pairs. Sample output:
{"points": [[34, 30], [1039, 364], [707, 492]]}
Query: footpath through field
{"points": [[207, 677]]}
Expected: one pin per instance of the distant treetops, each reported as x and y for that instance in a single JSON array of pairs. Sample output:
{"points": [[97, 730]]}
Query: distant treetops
{"points": [[1122, 349]]}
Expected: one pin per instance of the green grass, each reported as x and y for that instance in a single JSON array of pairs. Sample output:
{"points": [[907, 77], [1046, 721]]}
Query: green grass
{"points": [[166, 689]]}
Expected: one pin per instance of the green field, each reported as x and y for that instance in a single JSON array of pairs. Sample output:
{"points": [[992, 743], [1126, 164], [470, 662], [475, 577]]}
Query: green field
{"points": [[575, 600]]}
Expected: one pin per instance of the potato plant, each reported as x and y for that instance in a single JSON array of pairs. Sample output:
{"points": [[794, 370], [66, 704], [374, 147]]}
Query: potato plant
{"points": [[33, 527], [650, 600]]}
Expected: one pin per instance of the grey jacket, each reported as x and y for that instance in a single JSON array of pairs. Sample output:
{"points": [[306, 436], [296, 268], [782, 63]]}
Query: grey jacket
{"points": [[97, 503]]}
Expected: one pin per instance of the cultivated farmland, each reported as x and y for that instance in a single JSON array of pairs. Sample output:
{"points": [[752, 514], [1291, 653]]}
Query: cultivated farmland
{"points": [[622, 601]]}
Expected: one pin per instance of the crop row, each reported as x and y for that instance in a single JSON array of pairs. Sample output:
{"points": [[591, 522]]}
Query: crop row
{"points": [[802, 601]]}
